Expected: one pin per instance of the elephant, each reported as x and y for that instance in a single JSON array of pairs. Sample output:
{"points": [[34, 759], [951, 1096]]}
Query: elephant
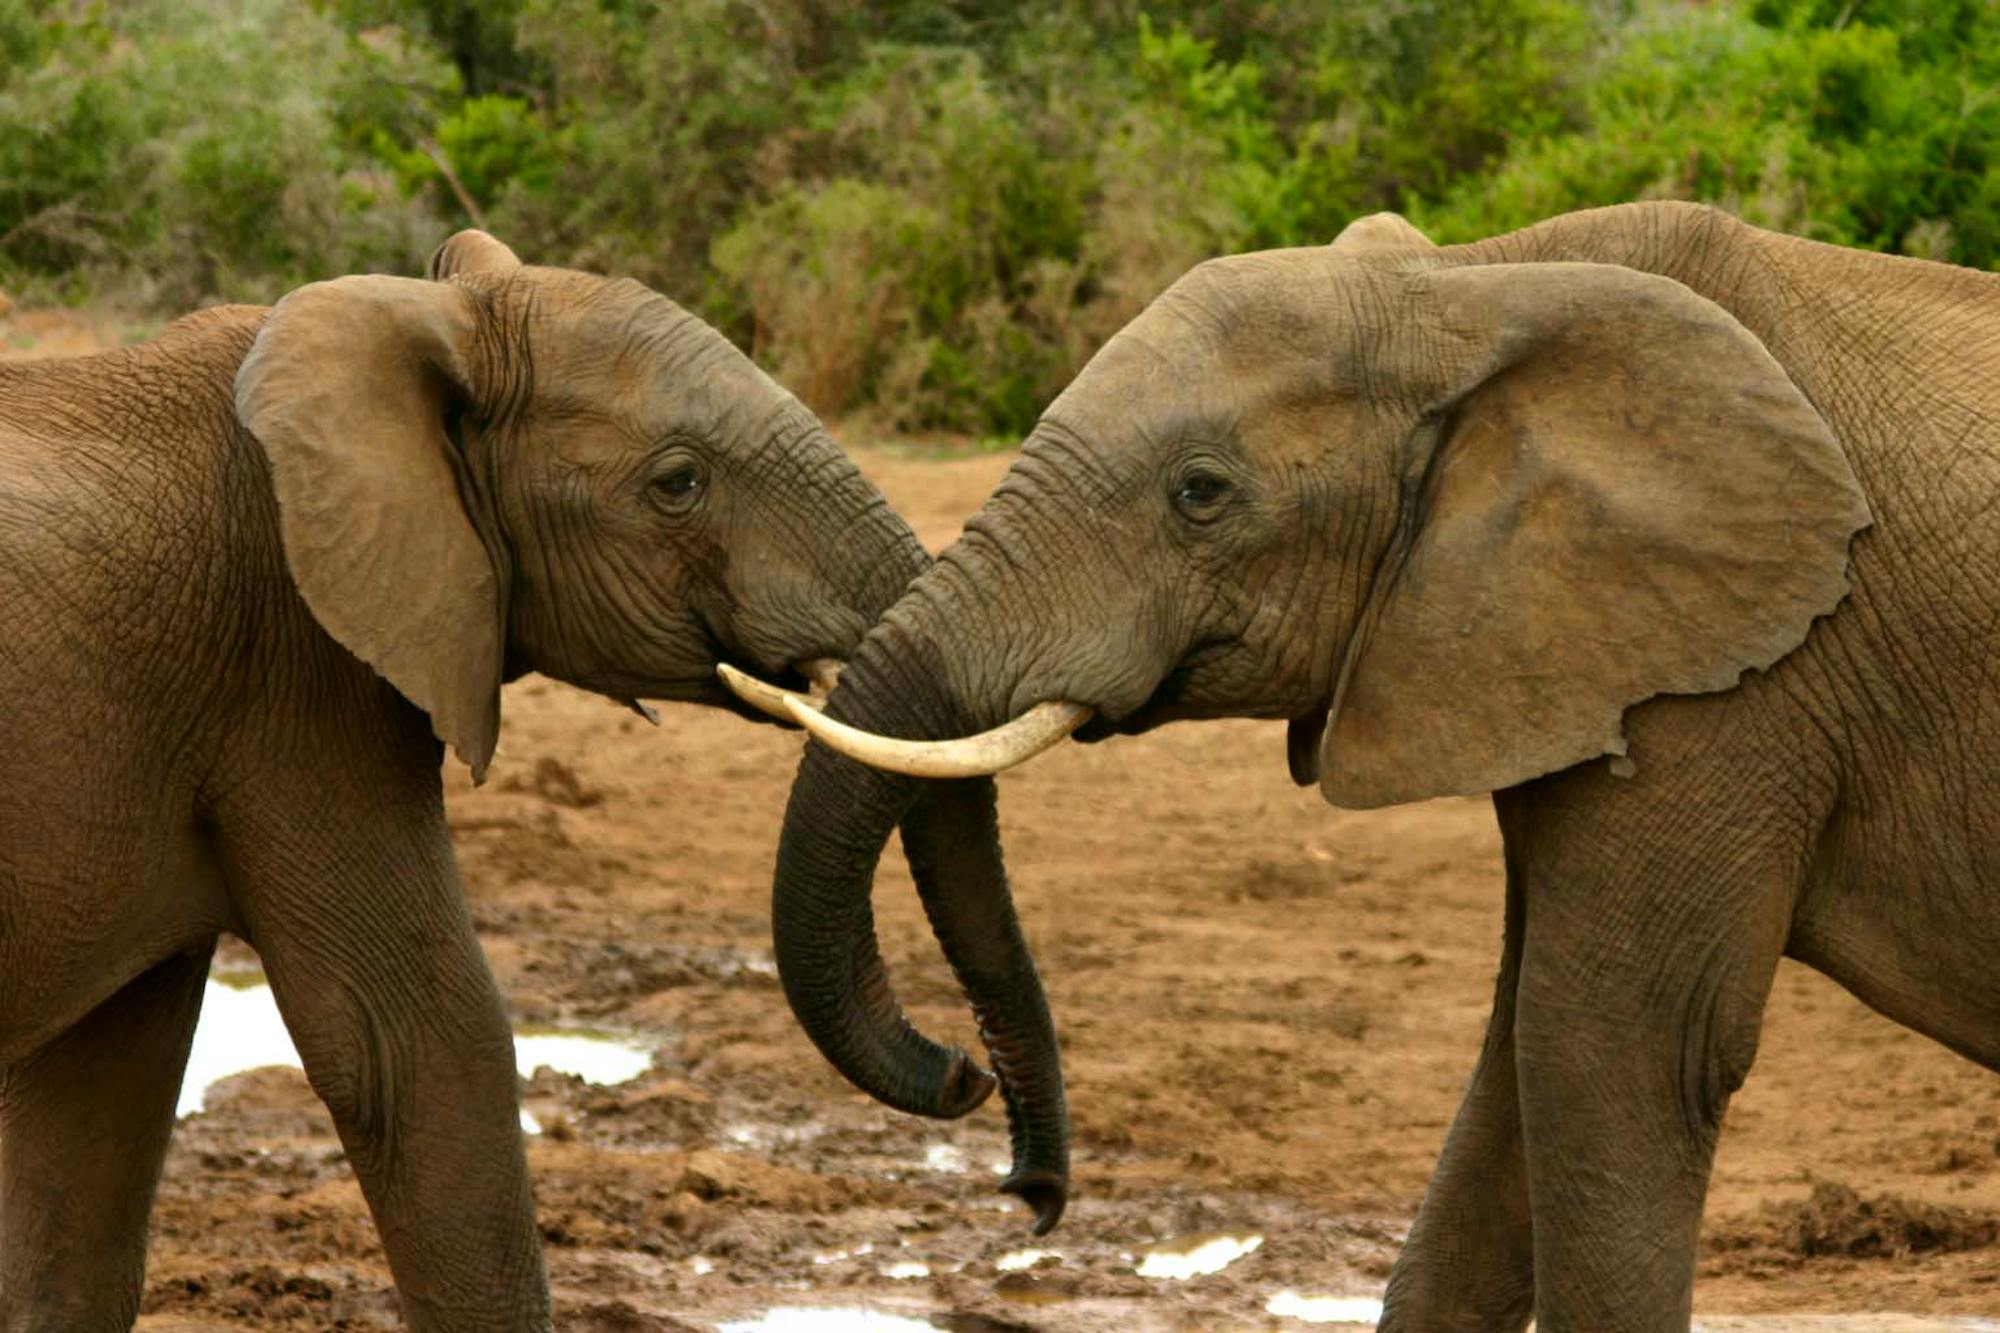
{"points": [[1676, 535], [257, 573]]}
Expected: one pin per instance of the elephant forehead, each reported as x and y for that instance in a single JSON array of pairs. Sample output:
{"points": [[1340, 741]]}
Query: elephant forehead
{"points": [[1190, 367], [1301, 296], [599, 421], [649, 367], [577, 325], [1134, 399]]}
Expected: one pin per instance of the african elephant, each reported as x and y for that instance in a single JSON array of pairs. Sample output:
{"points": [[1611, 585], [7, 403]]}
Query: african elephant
{"points": [[1676, 535], [253, 573]]}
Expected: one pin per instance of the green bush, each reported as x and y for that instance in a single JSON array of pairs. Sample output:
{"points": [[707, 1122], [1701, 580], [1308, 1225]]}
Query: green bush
{"points": [[191, 152], [1859, 124], [666, 120], [933, 211], [949, 212], [833, 276]]}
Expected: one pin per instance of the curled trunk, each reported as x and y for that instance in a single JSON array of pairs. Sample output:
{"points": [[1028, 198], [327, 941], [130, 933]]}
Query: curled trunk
{"points": [[836, 824]]}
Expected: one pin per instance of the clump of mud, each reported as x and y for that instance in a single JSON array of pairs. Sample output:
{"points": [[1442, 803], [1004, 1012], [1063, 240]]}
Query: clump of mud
{"points": [[1836, 1221]]}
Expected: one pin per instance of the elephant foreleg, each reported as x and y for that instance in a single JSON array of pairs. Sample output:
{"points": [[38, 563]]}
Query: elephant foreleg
{"points": [[351, 897], [84, 1125], [1647, 957], [1468, 1266]]}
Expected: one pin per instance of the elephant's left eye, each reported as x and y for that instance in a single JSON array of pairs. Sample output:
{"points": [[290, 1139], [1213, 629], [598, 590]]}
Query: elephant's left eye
{"points": [[1198, 494], [678, 487]]}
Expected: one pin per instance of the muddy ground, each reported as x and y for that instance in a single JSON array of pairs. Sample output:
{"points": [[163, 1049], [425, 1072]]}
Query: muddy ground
{"points": [[1268, 1009]]}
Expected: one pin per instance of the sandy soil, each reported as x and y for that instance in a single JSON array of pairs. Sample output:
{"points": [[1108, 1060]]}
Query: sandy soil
{"points": [[1268, 1007]]}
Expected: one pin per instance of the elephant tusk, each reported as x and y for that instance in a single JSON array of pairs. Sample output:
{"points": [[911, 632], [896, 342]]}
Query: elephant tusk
{"points": [[970, 757], [769, 698]]}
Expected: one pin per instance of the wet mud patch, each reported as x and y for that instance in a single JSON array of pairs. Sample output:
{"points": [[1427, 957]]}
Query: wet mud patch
{"points": [[1835, 1221]]}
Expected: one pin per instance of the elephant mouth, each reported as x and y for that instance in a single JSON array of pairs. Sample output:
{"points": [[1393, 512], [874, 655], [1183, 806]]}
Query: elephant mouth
{"points": [[1038, 728], [989, 752], [807, 674], [1177, 698], [757, 694], [1303, 737], [1153, 713]]}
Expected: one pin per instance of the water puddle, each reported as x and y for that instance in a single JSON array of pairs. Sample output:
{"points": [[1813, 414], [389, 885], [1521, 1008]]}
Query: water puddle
{"points": [[826, 1319], [826, 1257], [760, 1137], [240, 1029], [947, 1157], [953, 1160], [1196, 1256], [1325, 1309], [1018, 1261], [592, 1057], [904, 1270]]}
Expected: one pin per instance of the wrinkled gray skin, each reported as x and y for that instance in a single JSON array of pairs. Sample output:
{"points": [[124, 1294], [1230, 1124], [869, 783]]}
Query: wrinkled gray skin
{"points": [[251, 573], [1697, 572]]}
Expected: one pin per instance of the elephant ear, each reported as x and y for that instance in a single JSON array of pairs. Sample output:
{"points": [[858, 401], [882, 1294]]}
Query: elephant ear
{"points": [[1382, 236], [348, 388], [1618, 494], [472, 251]]}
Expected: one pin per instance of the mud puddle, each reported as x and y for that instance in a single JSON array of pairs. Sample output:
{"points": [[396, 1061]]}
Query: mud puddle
{"points": [[1196, 1256], [240, 1029], [827, 1319], [1291, 1309], [1363, 1310]]}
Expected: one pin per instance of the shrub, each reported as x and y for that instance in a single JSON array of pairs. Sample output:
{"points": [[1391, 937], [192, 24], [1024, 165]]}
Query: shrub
{"points": [[1860, 124], [193, 151], [831, 277], [934, 210]]}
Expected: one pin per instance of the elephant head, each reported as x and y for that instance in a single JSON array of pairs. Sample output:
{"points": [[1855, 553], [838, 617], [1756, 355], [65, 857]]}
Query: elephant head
{"points": [[505, 468], [1451, 519], [508, 468]]}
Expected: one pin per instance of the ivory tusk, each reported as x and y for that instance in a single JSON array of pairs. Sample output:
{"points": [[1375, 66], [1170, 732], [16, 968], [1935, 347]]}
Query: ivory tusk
{"points": [[769, 698], [970, 757]]}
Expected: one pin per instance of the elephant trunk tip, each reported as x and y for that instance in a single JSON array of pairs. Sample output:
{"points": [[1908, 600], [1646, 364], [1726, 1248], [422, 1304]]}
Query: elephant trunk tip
{"points": [[1044, 1191], [964, 1088]]}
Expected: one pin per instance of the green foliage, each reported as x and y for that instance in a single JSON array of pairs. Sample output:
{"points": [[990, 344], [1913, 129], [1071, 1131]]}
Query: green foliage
{"points": [[934, 210], [195, 150], [26, 35], [1875, 125], [666, 119], [487, 145], [477, 36], [831, 274], [952, 211]]}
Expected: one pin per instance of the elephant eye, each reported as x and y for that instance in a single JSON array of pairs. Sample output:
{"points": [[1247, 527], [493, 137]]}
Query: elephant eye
{"points": [[678, 487], [1200, 493]]}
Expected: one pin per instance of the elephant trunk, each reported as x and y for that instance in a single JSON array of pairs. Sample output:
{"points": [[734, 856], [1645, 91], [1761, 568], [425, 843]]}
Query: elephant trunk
{"points": [[952, 840], [836, 823]]}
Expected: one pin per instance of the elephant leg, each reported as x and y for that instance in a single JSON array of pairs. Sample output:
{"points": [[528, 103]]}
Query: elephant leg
{"points": [[84, 1125], [1468, 1266], [352, 899], [1652, 934]]}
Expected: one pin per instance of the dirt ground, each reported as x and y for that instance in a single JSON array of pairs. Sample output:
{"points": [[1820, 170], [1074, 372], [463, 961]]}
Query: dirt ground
{"points": [[1268, 1010]]}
